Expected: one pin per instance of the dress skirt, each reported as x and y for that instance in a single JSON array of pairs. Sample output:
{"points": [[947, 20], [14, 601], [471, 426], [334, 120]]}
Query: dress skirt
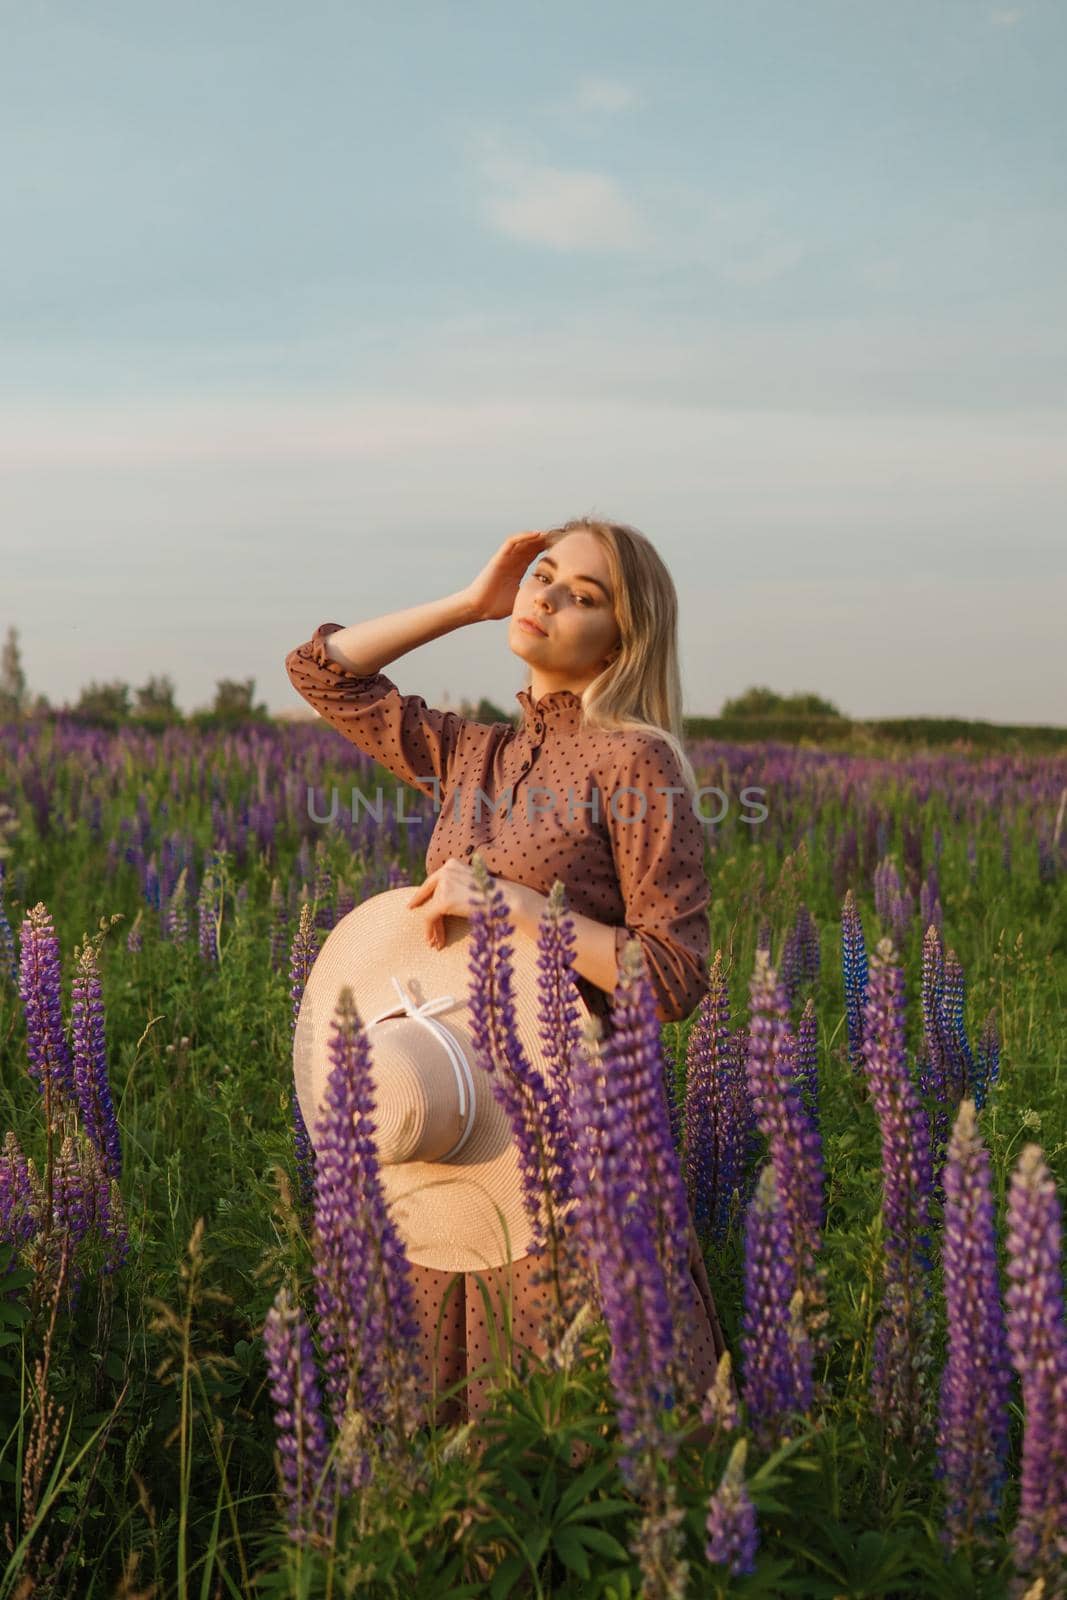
{"points": [[466, 1341]]}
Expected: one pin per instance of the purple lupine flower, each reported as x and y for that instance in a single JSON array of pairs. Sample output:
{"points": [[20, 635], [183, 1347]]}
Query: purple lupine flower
{"points": [[176, 920], [279, 925], [303, 1447], [789, 967], [854, 969], [987, 1059], [566, 1269], [886, 885], [537, 1127], [808, 1056], [745, 1112], [716, 1125], [363, 1287], [135, 937], [972, 1434], [961, 1064], [151, 884], [901, 915], [810, 943], [302, 954], [49, 1061], [322, 892], [800, 954], [1037, 1339], [208, 918], [912, 840], [634, 1053], [8, 960], [558, 1026], [619, 1230], [934, 1058], [776, 1355], [90, 1060], [763, 937], [1046, 857], [346, 899], [17, 1220], [907, 1184], [733, 1535], [792, 1137], [930, 902]]}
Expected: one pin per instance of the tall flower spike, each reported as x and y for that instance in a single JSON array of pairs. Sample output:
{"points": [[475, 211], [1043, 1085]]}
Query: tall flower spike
{"points": [[634, 1054], [17, 1221], [776, 1366], [716, 1126], [363, 1287], [733, 1535], [49, 1058], [304, 949], [792, 1138], [303, 1449], [619, 1231], [540, 1135], [1037, 1339], [808, 1057], [854, 969], [208, 919], [954, 1029], [565, 1271], [987, 1059], [973, 1423], [90, 1060], [935, 1057], [8, 961], [901, 1339]]}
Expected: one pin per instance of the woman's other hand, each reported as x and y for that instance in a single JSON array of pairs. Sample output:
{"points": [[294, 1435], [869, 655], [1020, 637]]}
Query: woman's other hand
{"points": [[492, 594], [450, 891]]}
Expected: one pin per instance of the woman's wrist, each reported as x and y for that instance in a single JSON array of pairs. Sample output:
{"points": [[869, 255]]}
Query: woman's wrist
{"points": [[594, 942]]}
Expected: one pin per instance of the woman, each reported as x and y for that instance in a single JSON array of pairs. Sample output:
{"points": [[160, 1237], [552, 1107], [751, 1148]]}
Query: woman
{"points": [[592, 787]]}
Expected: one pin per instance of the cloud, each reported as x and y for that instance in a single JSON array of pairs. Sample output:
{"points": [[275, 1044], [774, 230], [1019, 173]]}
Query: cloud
{"points": [[1005, 19], [604, 94], [556, 207]]}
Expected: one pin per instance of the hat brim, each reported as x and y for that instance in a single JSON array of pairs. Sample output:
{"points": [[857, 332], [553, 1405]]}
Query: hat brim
{"points": [[462, 1215]]}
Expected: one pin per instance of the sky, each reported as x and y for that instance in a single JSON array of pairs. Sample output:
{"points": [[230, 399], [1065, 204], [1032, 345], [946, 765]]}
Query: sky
{"points": [[305, 309]]}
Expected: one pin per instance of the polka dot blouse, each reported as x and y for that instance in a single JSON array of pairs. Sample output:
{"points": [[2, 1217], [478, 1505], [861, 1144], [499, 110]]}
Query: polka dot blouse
{"points": [[604, 811]]}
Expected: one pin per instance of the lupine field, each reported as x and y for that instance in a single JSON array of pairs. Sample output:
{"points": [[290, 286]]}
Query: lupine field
{"points": [[207, 1382]]}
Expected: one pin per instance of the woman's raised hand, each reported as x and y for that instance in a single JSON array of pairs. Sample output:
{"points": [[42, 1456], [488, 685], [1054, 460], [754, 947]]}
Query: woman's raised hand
{"points": [[492, 594]]}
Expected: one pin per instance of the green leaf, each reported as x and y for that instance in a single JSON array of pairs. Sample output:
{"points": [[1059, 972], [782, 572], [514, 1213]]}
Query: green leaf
{"points": [[506, 1576], [600, 1540], [571, 1551], [583, 1486]]}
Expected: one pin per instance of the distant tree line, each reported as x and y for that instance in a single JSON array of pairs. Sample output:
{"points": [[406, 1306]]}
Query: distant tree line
{"points": [[114, 703], [762, 702]]}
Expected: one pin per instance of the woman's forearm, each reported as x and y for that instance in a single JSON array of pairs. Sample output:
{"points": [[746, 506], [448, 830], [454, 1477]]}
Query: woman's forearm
{"points": [[594, 942], [368, 647]]}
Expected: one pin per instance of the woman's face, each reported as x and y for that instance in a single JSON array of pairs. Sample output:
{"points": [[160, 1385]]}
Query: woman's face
{"points": [[567, 592]]}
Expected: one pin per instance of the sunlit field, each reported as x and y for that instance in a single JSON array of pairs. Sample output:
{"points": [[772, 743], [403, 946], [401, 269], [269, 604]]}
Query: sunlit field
{"points": [[867, 1117]]}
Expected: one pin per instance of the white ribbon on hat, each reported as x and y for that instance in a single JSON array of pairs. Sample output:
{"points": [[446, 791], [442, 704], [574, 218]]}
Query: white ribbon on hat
{"points": [[460, 1064]]}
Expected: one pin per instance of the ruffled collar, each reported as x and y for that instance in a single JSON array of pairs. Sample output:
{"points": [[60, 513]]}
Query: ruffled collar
{"points": [[559, 705]]}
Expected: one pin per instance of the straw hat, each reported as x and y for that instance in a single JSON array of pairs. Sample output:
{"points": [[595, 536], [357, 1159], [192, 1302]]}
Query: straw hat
{"points": [[448, 1159]]}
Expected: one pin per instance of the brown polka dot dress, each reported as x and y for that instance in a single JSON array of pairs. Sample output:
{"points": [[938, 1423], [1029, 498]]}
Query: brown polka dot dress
{"points": [[606, 813]]}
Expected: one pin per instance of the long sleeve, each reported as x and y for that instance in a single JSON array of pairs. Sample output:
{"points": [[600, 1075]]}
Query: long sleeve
{"points": [[658, 846], [408, 738]]}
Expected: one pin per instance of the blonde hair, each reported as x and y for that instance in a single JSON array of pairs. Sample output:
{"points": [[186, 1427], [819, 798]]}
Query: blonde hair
{"points": [[642, 686]]}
